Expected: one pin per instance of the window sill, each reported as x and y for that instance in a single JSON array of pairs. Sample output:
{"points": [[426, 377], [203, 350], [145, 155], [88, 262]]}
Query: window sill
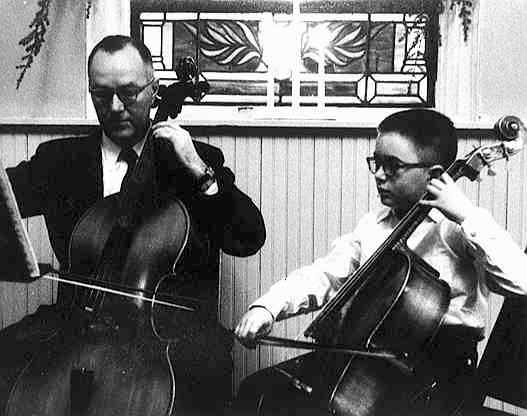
{"points": [[305, 117], [357, 118]]}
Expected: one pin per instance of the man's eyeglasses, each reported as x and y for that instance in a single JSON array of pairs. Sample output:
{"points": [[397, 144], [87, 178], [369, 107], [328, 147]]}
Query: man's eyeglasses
{"points": [[127, 95], [391, 165]]}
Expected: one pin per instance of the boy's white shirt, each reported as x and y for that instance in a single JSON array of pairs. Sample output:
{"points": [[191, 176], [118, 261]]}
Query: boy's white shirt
{"points": [[472, 258]]}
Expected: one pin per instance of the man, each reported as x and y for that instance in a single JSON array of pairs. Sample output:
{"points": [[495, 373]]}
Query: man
{"points": [[471, 252], [68, 176]]}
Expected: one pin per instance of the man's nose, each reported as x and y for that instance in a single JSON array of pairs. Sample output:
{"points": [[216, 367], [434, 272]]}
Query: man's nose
{"points": [[116, 103]]}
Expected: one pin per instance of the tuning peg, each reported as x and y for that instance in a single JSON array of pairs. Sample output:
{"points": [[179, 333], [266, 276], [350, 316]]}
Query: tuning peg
{"points": [[491, 172], [507, 127]]}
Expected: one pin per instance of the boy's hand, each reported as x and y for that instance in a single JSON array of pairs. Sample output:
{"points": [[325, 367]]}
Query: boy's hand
{"points": [[448, 198], [256, 322]]}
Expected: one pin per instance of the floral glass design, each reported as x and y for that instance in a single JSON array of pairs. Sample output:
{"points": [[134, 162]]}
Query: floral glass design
{"points": [[361, 59]]}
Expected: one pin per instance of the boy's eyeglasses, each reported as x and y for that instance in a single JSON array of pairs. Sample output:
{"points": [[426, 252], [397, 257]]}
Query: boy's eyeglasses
{"points": [[127, 95], [391, 164]]}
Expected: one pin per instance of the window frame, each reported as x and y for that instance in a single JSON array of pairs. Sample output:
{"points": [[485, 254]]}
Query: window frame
{"points": [[295, 114]]}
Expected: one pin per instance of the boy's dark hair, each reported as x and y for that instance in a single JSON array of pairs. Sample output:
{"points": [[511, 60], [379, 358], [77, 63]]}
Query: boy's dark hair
{"points": [[114, 43], [431, 131]]}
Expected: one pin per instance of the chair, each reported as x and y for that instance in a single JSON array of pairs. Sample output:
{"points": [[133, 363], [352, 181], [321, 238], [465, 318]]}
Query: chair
{"points": [[502, 371]]}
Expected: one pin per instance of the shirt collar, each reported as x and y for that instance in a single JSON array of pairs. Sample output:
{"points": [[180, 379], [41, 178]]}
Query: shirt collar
{"points": [[111, 150], [386, 214]]}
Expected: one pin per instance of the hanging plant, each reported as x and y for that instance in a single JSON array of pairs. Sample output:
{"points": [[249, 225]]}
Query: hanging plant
{"points": [[88, 8], [34, 40], [465, 12]]}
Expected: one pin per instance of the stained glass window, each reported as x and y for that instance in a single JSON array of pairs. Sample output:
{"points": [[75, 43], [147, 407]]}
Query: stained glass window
{"points": [[308, 59]]}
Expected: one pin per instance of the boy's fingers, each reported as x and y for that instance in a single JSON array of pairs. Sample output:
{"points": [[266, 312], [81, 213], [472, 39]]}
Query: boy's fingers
{"points": [[437, 183], [447, 178]]}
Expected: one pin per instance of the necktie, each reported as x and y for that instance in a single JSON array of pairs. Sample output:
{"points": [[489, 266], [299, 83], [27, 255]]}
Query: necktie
{"points": [[130, 157]]}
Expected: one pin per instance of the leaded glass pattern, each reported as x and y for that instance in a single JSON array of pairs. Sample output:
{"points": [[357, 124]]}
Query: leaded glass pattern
{"points": [[355, 59]]}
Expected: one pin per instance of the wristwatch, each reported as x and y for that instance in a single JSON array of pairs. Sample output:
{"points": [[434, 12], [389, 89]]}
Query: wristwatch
{"points": [[207, 179]]}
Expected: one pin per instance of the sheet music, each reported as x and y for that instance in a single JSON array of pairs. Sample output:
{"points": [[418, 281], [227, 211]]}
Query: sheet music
{"points": [[17, 257]]}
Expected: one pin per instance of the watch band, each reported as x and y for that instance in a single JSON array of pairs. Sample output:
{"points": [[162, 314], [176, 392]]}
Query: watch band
{"points": [[207, 179]]}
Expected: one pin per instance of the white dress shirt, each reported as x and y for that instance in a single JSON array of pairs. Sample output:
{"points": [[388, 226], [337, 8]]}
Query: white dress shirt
{"points": [[113, 170], [472, 258]]}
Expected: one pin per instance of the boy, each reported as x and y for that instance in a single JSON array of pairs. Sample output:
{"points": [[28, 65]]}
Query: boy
{"points": [[463, 243]]}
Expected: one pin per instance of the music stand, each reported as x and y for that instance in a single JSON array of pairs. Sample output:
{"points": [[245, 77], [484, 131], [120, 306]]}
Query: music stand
{"points": [[17, 257]]}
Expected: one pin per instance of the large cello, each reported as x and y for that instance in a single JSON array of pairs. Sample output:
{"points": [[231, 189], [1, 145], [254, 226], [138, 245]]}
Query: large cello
{"points": [[375, 334], [126, 345]]}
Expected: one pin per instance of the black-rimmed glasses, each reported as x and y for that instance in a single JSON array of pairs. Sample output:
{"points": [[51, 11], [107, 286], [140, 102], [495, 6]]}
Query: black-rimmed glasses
{"points": [[391, 164], [127, 94]]}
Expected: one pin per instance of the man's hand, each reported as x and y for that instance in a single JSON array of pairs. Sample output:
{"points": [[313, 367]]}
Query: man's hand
{"points": [[257, 322], [449, 199], [183, 145]]}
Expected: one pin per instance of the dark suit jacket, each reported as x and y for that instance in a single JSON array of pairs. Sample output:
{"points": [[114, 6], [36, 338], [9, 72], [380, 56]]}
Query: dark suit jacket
{"points": [[64, 178]]}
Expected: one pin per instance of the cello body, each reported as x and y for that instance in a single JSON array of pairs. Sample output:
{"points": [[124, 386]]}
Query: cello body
{"points": [[399, 309], [113, 355]]}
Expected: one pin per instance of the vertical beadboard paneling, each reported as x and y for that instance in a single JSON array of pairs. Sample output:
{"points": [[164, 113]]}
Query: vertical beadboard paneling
{"points": [[267, 277], [357, 182], [334, 188], [294, 222], [246, 289], [300, 174], [321, 196], [305, 167], [276, 217]]}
